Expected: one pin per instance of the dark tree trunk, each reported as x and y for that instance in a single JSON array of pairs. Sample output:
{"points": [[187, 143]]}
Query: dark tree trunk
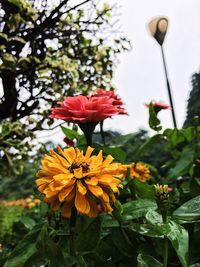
{"points": [[9, 103]]}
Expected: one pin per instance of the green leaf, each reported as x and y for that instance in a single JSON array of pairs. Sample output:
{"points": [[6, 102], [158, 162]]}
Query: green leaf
{"points": [[122, 241], [48, 249], [88, 239], [189, 133], [138, 208], [179, 239], [18, 3], [116, 152], [174, 136], [23, 251], [35, 260], [152, 230], [174, 232], [80, 261], [154, 122], [194, 187], [189, 211], [70, 134], [147, 261], [16, 39], [28, 222], [144, 190], [3, 37], [153, 217], [119, 206], [109, 222], [184, 163], [148, 144]]}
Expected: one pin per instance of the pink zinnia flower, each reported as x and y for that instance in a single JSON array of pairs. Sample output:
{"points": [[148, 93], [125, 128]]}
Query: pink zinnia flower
{"points": [[159, 105], [117, 101], [82, 109]]}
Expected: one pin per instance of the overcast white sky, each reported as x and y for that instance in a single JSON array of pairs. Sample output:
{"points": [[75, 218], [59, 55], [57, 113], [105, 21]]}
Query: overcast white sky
{"points": [[139, 76]]}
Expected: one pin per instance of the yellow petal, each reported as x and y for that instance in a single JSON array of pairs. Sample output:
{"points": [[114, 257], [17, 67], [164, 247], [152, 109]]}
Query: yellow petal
{"points": [[92, 181], [55, 204], [78, 173], [70, 154], [95, 190], [57, 167], [42, 174], [61, 159], [112, 196], [81, 188], [82, 203], [65, 192], [107, 207], [108, 160], [114, 188], [93, 208], [88, 153], [66, 209], [50, 193], [71, 196], [42, 181], [63, 176], [56, 185], [79, 155], [96, 161], [105, 179], [42, 187], [105, 197]]}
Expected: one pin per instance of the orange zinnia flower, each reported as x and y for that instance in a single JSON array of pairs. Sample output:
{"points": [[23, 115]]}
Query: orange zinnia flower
{"points": [[140, 172], [69, 178]]}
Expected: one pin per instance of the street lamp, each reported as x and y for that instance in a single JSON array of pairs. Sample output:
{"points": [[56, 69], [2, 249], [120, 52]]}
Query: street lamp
{"points": [[158, 29]]}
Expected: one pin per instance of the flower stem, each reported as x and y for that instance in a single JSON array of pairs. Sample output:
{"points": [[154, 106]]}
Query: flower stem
{"points": [[88, 137], [88, 129], [165, 248], [72, 225], [133, 193]]}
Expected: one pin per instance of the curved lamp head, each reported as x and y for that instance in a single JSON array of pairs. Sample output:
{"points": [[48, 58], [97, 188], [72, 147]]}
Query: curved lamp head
{"points": [[158, 28]]}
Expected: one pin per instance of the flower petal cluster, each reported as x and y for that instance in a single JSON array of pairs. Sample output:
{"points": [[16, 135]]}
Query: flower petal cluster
{"points": [[71, 179], [117, 101], [140, 171], [82, 109]]}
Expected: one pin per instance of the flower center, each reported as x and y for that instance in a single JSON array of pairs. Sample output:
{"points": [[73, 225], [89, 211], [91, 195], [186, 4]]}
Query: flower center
{"points": [[84, 166]]}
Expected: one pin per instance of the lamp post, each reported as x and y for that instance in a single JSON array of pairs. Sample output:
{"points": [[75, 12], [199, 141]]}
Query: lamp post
{"points": [[158, 29]]}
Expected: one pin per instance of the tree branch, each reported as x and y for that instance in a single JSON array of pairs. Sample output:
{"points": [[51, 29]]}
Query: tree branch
{"points": [[50, 22]]}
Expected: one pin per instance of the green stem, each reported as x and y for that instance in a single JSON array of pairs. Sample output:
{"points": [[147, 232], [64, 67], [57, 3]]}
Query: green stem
{"points": [[72, 225], [88, 137], [88, 129], [165, 252], [132, 189], [165, 248]]}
